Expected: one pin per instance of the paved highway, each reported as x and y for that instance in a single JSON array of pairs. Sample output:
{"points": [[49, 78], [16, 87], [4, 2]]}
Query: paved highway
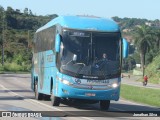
{"points": [[133, 81], [16, 95]]}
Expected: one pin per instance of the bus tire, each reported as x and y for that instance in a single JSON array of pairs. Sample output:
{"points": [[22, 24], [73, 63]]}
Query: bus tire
{"points": [[38, 96], [55, 101], [104, 104]]}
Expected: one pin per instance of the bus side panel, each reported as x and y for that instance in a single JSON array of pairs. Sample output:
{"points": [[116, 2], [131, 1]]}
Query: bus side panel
{"points": [[34, 76], [49, 74], [34, 70], [38, 71], [56, 83]]}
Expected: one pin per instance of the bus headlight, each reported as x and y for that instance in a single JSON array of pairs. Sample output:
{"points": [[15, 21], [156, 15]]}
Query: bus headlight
{"points": [[65, 82], [114, 85]]}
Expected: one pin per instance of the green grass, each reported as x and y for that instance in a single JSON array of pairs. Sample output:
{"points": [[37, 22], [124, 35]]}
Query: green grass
{"points": [[141, 95], [13, 67]]}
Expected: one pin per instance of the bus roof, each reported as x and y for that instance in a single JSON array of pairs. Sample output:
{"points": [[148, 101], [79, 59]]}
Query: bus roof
{"points": [[83, 23]]}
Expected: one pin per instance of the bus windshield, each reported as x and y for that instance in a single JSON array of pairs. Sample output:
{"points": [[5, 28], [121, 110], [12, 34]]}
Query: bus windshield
{"points": [[90, 54]]}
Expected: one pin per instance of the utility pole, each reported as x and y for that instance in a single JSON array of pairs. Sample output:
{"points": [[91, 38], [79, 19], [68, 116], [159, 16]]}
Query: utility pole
{"points": [[28, 41], [3, 49], [3, 37]]}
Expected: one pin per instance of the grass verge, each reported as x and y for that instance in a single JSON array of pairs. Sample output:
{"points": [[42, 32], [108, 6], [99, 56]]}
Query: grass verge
{"points": [[15, 68], [141, 95]]}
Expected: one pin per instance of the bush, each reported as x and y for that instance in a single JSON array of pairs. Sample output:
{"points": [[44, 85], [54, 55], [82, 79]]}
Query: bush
{"points": [[153, 70], [1, 67], [14, 67]]}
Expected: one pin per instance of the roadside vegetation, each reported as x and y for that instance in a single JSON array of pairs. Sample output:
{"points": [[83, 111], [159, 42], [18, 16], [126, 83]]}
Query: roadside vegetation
{"points": [[144, 49], [153, 70], [17, 30], [13, 67], [141, 95]]}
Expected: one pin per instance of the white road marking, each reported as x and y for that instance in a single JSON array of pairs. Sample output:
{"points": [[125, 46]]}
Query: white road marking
{"points": [[117, 108], [30, 100], [87, 118], [133, 103]]}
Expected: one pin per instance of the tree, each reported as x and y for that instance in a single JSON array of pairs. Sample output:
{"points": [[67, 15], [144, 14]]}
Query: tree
{"points": [[10, 10], [143, 42], [158, 38], [26, 11], [2, 36], [30, 12], [1, 19]]}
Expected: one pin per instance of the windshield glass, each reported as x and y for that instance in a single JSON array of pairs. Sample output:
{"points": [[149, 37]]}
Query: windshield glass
{"points": [[90, 54]]}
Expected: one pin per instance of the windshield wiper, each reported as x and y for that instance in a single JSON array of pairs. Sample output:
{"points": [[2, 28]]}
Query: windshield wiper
{"points": [[100, 68], [79, 70]]}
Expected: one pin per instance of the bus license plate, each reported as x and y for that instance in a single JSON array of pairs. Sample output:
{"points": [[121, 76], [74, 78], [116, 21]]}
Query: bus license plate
{"points": [[90, 94]]}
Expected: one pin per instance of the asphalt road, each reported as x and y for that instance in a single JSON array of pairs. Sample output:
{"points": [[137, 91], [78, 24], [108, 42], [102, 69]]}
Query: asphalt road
{"points": [[133, 81], [16, 95]]}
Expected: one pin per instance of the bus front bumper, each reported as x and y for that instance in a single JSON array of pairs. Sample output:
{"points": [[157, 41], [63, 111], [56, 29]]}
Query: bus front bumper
{"points": [[66, 91]]}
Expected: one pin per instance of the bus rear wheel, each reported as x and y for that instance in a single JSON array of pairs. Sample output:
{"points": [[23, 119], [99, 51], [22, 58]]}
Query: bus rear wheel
{"points": [[104, 104], [55, 101], [38, 96]]}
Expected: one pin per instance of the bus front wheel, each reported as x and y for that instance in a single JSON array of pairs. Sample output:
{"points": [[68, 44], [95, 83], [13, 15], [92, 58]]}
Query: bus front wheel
{"points": [[38, 96], [55, 101], [104, 104]]}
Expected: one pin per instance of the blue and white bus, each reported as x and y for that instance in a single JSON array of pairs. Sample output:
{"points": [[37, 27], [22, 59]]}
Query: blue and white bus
{"points": [[69, 63]]}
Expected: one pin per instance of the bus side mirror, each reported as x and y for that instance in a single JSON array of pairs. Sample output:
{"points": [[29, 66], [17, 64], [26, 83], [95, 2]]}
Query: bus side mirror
{"points": [[57, 43], [125, 48], [74, 58]]}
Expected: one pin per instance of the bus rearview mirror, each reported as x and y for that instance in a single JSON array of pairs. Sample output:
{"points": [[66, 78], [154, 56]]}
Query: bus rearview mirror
{"points": [[125, 48], [57, 43], [74, 57]]}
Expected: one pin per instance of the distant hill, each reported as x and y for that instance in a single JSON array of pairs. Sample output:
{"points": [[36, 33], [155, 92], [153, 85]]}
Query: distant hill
{"points": [[128, 25]]}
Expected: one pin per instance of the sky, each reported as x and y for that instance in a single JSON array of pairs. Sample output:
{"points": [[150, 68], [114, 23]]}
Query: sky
{"points": [[148, 9]]}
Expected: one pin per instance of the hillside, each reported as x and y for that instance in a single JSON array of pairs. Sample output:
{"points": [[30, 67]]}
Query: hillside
{"points": [[153, 70], [17, 29], [16, 33]]}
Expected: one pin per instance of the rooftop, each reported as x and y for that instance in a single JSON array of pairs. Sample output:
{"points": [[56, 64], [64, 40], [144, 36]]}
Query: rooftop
{"points": [[84, 23]]}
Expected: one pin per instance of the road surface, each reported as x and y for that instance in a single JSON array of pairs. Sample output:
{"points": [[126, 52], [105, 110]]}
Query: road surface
{"points": [[132, 80], [16, 95]]}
